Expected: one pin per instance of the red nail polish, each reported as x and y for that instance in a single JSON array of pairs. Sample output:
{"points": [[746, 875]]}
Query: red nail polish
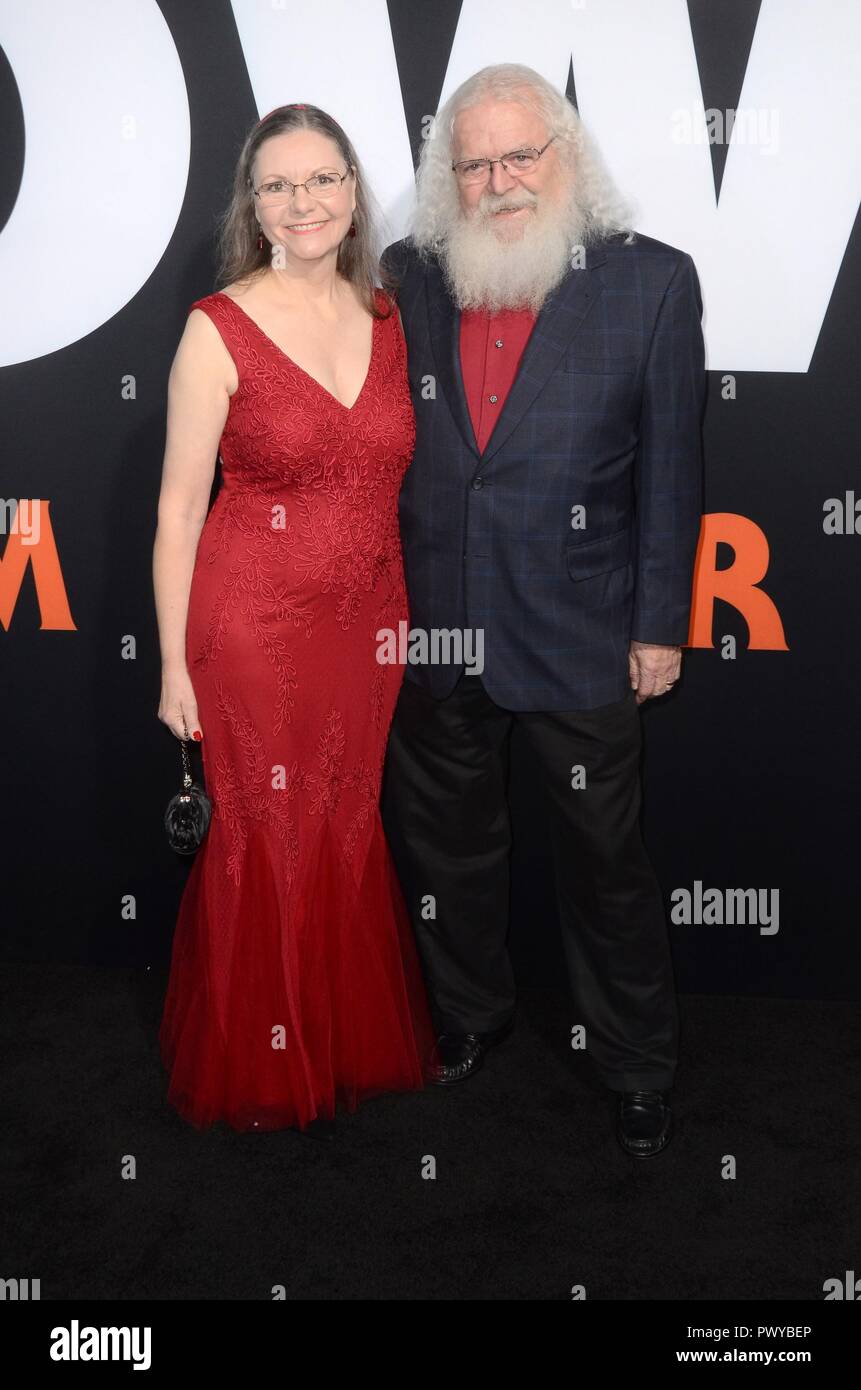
{"points": [[198, 735]]}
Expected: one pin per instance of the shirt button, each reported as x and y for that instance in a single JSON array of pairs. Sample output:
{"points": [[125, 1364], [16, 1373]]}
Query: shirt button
{"points": [[498, 342], [477, 484], [492, 400]]}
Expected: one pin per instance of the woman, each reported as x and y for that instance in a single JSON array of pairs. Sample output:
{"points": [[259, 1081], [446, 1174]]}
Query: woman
{"points": [[294, 979]]}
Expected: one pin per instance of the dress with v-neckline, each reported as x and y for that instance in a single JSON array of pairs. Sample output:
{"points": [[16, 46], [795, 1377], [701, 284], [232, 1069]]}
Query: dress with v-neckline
{"points": [[293, 363], [292, 917]]}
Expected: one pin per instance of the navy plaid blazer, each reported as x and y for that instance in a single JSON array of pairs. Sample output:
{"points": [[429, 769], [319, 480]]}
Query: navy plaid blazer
{"points": [[602, 426]]}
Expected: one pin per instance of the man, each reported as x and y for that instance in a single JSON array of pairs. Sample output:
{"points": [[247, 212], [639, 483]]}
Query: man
{"points": [[553, 506]]}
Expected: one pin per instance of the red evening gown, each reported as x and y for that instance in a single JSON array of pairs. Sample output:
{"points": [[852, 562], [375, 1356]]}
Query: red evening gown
{"points": [[294, 979]]}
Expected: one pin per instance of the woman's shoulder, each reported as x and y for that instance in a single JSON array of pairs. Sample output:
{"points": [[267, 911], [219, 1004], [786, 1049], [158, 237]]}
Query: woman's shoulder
{"points": [[215, 302], [212, 305], [385, 302], [390, 326], [388, 311]]}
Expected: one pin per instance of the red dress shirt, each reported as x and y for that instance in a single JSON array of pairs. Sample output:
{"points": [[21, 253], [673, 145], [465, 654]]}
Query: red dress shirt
{"points": [[491, 346]]}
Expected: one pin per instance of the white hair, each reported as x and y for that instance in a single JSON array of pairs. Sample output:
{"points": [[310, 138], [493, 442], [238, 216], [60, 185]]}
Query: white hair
{"points": [[605, 212]]}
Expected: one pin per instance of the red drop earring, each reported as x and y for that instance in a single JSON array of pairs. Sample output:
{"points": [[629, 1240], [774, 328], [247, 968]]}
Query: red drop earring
{"points": [[352, 231], [260, 238]]}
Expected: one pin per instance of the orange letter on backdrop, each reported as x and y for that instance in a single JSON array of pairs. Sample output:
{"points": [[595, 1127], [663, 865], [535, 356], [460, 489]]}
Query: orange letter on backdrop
{"points": [[736, 584], [47, 574]]}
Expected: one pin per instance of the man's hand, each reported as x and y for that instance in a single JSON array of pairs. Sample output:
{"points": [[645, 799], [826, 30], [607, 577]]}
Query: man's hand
{"points": [[653, 669]]}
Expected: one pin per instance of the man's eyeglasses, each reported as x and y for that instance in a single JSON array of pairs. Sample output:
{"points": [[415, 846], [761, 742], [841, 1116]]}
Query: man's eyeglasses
{"points": [[273, 192], [518, 162]]}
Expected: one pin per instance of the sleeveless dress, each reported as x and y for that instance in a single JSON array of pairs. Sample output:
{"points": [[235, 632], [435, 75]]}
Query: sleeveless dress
{"points": [[294, 980]]}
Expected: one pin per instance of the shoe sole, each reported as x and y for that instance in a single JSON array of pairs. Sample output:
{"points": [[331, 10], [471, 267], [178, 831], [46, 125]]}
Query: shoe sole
{"points": [[638, 1153]]}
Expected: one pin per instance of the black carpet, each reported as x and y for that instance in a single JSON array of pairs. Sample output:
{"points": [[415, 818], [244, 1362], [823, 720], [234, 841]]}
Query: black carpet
{"points": [[532, 1194]]}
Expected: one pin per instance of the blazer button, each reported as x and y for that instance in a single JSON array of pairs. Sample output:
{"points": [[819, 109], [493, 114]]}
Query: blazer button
{"points": [[477, 484]]}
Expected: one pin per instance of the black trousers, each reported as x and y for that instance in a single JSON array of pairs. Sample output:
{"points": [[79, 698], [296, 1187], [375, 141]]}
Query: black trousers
{"points": [[446, 818]]}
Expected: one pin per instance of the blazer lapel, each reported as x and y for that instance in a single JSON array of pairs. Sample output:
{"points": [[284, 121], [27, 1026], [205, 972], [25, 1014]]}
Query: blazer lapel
{"points": [[444, 325], [559, 318]]}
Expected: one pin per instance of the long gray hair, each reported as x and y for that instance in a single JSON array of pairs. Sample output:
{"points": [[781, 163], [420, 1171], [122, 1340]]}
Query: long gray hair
{"points": [[239, 256], [437, 205]]}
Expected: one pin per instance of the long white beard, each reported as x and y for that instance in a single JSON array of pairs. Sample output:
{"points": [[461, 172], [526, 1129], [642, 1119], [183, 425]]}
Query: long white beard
{"points": [[486, 271]]}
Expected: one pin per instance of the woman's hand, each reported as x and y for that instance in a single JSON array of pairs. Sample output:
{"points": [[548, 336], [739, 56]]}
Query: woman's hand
{"points": [[178, 700]]}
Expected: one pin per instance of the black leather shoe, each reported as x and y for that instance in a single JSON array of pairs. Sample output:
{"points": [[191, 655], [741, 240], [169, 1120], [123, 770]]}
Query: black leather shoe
{"points": [[458, 1056], [644, 1122]]}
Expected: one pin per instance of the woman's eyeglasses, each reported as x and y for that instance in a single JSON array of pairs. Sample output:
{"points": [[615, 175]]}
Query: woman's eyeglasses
{"points": [[326, 184]]}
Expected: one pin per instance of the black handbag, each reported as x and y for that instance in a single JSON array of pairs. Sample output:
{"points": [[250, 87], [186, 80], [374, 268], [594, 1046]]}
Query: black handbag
{"points": [[187, 817]]}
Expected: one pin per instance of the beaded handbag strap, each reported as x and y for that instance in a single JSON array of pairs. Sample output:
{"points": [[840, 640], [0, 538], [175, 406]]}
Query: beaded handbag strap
{"points": [[187, 778]]}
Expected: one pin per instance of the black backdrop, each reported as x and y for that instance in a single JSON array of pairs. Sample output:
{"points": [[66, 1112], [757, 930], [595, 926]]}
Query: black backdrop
{"points": [[751, 767]]}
